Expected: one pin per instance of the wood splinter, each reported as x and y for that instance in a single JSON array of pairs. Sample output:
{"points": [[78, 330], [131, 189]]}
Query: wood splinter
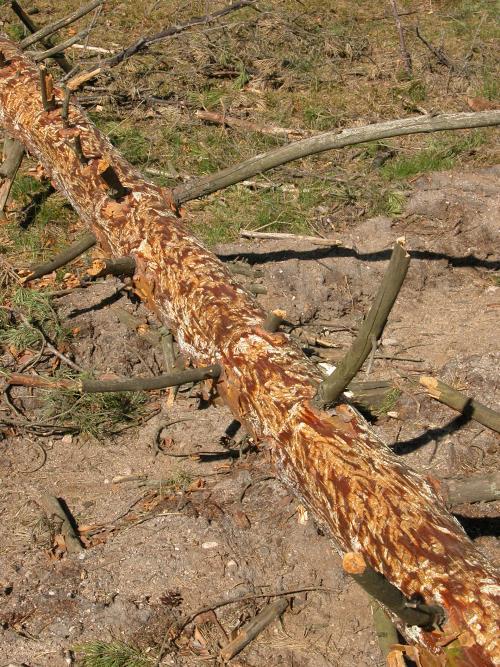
{"points": [[47, 89]]}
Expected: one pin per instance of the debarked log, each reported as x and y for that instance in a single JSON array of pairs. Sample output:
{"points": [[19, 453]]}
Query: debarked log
{"points": [[367, 498]]}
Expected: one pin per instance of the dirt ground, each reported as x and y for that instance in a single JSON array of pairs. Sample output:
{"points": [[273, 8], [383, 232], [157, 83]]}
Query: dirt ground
{"points": [[174, 510], [153, 556]]}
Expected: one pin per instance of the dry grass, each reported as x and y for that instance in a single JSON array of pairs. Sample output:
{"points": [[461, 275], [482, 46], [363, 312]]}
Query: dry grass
{"points": [[314, 66]]}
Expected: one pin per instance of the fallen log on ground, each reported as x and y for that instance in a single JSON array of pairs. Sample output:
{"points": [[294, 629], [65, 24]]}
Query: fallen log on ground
{"points": [[367, 499]]}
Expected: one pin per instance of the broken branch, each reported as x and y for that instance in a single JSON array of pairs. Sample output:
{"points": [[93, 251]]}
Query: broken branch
{"points": [[316, 240], [472, 489], [63, 258], [460, 402], [122, 266], [376, 585], [86, 386], [371, 329], [13, 152], [50, 29], [254, 628], [328, 141], [441, 56]]}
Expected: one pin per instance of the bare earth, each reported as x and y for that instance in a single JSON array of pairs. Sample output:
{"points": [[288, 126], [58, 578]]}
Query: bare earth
{"points": [[153, 557]]}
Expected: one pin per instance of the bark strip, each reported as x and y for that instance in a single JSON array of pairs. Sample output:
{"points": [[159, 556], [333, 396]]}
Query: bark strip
{"points": [[366, 498]]}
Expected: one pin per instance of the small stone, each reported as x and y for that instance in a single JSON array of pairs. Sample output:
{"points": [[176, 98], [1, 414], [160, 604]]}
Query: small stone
{"points": [[209, 545], [67, 439]]}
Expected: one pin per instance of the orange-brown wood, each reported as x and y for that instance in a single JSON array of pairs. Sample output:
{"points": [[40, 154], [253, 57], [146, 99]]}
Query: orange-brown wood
{"points": [[367, 498]]}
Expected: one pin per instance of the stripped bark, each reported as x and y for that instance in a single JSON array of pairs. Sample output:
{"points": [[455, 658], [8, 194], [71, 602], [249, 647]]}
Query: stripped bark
{"points": [[367, 499]]}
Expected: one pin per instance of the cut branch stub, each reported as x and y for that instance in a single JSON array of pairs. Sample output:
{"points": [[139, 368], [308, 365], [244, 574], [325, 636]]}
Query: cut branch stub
{"points": [[365, 496], [376, 585], [47, 89]]}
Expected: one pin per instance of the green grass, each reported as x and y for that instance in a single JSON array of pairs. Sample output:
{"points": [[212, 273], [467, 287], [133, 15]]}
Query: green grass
{"points": [[439, 155], [96, 415], [36, 307], [111, 654], [132, 143], [388, 403], [269, 210]]}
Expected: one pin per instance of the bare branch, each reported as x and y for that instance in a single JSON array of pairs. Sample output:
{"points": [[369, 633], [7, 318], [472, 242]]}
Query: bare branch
{"points": [[58, 48], [64, 257], [371, 329], [253, 628], [50, 29], [328, 141], [60, 58], [316, 240], [376, 585], [86, 386], [459, 401]]}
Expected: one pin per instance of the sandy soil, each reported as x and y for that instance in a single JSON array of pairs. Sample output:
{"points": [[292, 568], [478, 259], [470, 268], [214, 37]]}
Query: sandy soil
{"points": [[154, 555]]}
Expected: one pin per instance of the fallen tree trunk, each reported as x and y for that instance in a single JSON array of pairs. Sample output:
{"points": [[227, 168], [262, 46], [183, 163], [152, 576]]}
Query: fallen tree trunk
{"points": [[369, 501]]}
